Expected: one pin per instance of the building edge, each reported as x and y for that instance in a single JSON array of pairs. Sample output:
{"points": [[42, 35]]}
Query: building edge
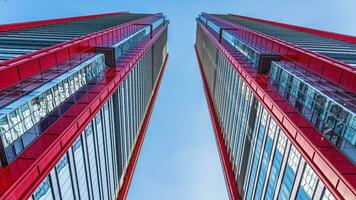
{"points": [[123, 192], [223, 155]]}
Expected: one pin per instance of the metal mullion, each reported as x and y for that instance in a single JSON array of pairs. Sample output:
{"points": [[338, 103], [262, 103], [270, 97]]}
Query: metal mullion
{"points": [[134, 104], [258, 170], [270, 162], [113, 135], [283, 168], [241, 132], [106, 148], [124, 126], [253, 148], [220, 89], [232, 135], [140, 82], [129, 107], [217, 79], [298, 178], [225, 107], [121, 131], [237, 121], [231, 111], [226, 87], [96, 151], [245, 132], [127, 117], [228, 104]]}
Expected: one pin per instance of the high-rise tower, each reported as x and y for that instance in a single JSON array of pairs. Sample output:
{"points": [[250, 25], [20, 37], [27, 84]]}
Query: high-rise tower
{"points": [[282, 102], [76, 96]]}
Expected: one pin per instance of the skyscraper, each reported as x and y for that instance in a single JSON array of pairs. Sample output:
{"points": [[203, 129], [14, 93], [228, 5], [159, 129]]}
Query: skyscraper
{"points": [[76, 96], [282, 103]]}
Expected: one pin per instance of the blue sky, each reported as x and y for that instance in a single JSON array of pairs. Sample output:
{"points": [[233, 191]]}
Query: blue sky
{"points": [[179, 158]]}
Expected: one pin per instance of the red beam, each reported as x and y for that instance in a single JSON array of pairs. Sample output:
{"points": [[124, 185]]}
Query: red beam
{"points": [[327, 34], [14, 26], [335, 71], [25, 173], [335, 170], [136, 153], [223, 154]]}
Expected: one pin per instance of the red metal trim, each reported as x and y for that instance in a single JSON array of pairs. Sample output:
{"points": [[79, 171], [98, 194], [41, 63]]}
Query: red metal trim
{"points": [[223, 154], [11, 71], [333, 168], [136, 153], [25, 173], [335, 71], [14, 26], [337, 36]]}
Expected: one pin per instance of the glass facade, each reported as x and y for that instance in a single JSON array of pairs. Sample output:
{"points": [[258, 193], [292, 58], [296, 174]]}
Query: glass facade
{"points": [[18, 42], [329, 108], [95, 165], [265, 162], [252, 52], [332, 48], [19, 117]]}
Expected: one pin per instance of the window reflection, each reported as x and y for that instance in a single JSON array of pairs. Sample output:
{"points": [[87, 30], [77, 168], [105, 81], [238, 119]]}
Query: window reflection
{"points": [[45, 99], [305, 93]]}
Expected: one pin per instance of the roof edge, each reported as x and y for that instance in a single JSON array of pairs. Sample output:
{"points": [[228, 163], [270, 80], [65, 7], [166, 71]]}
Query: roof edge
{"points": [[332, 35], [29, 24]]}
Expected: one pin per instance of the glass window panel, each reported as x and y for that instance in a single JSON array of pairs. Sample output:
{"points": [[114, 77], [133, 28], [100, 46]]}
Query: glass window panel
{"points": [[43, 191]]}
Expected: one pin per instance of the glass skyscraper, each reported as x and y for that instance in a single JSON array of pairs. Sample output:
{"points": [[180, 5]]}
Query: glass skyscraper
{"points": [[282, 102], [76, 96]]}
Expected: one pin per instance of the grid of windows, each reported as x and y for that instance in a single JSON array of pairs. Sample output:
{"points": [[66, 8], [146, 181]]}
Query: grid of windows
{"points": [[24, 118], [329, 108], [95, 165], [266, 164], [22, 41], [336, 49], [24, 113]]}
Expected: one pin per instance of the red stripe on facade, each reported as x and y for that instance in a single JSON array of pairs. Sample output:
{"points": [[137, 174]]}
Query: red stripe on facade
{"points": [[223, 154], [14, 26], [332, 167], [27, 171], [327, 34], [136, 153]]}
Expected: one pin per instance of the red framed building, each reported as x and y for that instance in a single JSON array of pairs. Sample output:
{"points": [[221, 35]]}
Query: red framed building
{"points": [[76, 96], [282, 103]]}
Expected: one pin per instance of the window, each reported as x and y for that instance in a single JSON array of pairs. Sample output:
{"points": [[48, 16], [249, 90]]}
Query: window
{"points": [[308, 184], [289, 173]]}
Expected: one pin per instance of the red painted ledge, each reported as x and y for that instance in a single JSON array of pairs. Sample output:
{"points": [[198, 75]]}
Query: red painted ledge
{"points": [[136, 153], [224, 156]]}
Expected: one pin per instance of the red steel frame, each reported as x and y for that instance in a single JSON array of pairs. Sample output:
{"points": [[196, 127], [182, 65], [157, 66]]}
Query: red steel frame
{"points": [[136, 153], [337, 36], [9, 27], [335, 71], [17, 69], [334, 169], [223, 154], [25, 173]]}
